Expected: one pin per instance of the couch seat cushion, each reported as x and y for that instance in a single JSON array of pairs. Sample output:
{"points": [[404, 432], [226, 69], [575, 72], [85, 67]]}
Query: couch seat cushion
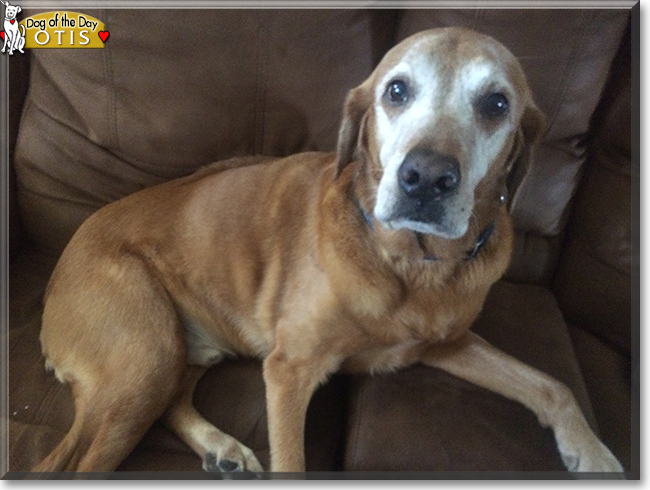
{"points": [[423, 419]]}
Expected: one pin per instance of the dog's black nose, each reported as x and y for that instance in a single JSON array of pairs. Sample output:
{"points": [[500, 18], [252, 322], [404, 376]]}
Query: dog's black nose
{"points": [[426, 174]]}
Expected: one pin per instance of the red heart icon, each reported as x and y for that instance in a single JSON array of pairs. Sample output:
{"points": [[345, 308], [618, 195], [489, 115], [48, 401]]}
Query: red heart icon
{"points": [[13, 20], [2, 35], [103, 35]]}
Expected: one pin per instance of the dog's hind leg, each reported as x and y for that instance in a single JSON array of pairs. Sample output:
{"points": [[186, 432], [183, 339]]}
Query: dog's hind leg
{"points": [[108, 425], [115, 337], [219, 451]]}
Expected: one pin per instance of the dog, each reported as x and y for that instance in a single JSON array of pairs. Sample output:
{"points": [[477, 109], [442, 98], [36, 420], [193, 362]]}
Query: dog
{"points": [[13, 38], [370, 259]]}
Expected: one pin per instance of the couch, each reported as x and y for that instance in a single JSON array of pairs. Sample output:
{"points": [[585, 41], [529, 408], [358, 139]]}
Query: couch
{"points": [[174, 90]]}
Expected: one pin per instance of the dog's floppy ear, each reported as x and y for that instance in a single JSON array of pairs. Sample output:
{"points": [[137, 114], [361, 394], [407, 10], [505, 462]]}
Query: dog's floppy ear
{"points": [[531, 129], [355, 111]]}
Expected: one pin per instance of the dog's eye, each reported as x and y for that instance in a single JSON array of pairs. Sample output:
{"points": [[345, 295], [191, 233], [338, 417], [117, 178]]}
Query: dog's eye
{"points": [[397, 92], [493, 106]]}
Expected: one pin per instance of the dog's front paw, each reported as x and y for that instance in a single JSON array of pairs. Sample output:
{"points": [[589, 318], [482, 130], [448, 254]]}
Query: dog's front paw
{"points": [[593, 457], [233, 458]]}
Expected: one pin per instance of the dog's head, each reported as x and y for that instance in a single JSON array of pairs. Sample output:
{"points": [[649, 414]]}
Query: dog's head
{"points": [[11, 11], [445, 120]]}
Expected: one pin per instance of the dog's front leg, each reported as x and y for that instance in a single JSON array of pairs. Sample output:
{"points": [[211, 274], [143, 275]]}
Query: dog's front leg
{"points": [[473, 359], [290, 381]]}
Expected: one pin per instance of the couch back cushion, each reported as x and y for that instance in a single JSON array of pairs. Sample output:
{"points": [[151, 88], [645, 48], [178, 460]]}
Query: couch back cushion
{"points": [[159, 101]]}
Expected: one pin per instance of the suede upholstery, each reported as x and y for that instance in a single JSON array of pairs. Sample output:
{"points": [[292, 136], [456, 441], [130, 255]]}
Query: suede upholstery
{"points": [[158, 103]]}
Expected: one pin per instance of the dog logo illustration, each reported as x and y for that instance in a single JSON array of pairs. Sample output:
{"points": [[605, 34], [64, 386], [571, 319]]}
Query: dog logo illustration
{"points": [[12, 36]]}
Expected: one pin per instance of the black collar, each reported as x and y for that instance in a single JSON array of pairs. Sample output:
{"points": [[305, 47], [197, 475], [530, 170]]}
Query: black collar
{"points": [[469, 255], [481, 241]]}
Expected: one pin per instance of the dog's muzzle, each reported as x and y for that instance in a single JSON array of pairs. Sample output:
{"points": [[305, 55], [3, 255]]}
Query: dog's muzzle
{"points": [[427, 179]]}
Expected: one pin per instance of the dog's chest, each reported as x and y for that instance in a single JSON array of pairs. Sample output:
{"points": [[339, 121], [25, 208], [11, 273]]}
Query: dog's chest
{"points": [[435, 321], [378, 359], [400, 339]]}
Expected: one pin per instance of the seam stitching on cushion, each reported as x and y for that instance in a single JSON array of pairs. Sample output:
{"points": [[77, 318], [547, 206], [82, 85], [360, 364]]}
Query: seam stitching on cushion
{"points": [[53, 116], [68, 153], [32, 101]]}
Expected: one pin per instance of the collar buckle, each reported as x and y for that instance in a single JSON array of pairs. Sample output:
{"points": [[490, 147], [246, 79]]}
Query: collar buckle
{"points": [[481, 241]]}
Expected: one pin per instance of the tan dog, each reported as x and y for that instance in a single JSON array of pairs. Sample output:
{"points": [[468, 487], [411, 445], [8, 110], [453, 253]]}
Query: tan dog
{"points": [[369, 260]]}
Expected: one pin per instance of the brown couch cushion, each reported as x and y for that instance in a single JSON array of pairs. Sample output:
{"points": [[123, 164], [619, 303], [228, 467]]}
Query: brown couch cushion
{"points": [[100, 124], [426, 420]]}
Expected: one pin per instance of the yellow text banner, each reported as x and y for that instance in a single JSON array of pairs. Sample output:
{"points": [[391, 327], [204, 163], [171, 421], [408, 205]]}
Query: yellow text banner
{"points": [[64, 30]]}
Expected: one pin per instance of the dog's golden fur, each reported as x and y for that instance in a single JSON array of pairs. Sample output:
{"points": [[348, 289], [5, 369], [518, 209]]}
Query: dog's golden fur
{"points": [[283, 259]]}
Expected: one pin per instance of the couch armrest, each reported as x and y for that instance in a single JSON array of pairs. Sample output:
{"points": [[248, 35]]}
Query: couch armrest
{"points": [[18, 84], [594, 276]]}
